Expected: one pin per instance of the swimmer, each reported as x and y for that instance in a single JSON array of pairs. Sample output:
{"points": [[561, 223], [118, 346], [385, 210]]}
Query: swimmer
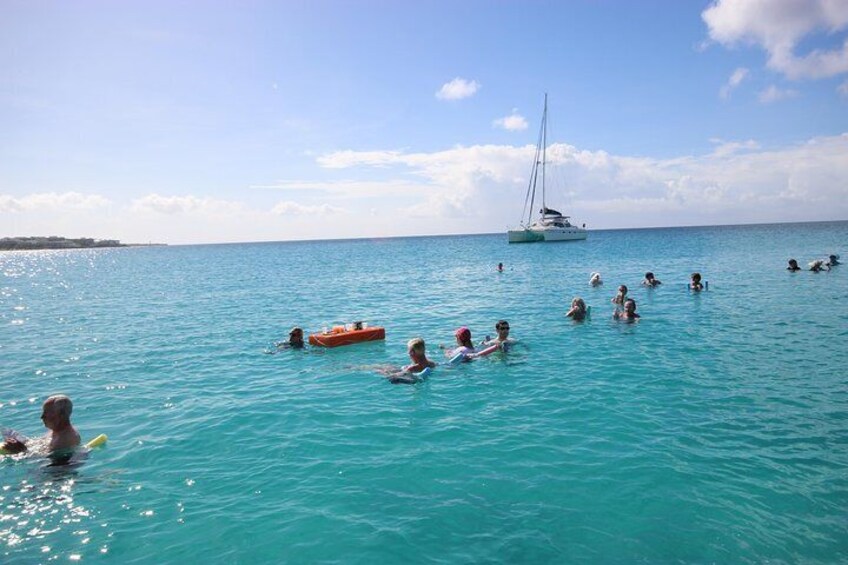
{"points": [[503, 339], [595, 279], [463, 340], [818, 265], [695, 282], [56, 415], [619, 298], [418, 355], [407, 374], [500, 267], [793, 266], [295, 340], [629, 313], [578, 310], [650, 280], [833, 260]]}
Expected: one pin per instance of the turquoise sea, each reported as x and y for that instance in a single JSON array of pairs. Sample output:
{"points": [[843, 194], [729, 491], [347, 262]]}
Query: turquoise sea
{"points": [[714, 430]]}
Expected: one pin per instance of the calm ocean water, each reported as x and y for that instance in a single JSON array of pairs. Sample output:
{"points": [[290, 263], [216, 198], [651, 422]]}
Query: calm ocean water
{"points": [[714, 430]]}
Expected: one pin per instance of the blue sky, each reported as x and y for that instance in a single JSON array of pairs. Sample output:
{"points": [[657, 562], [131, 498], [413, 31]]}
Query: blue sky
{"points": [[191, 122]]}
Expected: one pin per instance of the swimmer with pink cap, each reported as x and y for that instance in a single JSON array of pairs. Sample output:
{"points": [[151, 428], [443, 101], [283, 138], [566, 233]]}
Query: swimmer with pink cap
{"points": [[463, 342]]}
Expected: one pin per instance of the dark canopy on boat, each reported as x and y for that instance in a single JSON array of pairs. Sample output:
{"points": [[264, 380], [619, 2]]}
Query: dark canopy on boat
{"points": [[549, 212]]}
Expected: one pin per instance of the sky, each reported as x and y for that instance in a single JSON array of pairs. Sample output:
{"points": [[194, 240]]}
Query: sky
{"points": [[205, 122]]}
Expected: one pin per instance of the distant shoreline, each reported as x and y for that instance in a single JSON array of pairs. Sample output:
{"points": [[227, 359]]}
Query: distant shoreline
{"points": [[55, 242]]}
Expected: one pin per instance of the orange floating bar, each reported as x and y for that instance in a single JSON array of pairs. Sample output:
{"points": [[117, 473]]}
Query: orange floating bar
{"points": [[338, 338]]}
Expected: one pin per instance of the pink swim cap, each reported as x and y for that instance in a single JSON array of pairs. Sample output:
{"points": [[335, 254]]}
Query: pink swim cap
{"points": [[463, 334]]}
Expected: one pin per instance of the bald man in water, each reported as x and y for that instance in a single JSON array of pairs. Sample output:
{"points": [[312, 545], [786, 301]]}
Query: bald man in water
{"points": [[56, 415]]}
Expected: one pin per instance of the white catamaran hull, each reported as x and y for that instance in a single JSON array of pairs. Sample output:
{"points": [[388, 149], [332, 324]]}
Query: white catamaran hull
{"points": [[546, 234], [524, 236]]}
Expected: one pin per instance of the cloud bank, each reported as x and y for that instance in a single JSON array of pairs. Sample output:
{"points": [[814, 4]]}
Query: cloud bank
{"points": [[469, 189]]}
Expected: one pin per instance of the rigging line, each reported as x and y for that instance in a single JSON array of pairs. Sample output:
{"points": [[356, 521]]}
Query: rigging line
{"points": [[534, 172]]}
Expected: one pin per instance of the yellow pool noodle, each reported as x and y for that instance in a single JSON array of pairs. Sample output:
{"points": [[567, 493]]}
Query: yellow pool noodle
{"points": [[97, 442]]}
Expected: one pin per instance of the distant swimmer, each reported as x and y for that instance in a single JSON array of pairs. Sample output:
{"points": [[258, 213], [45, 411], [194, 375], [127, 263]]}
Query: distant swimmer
{"points": [[818, 265], [578, 310], [295, 340], [619, 298], [56, 415], [595, 279], [695, 282], [629, 313], [793, 266], [833, 260], [502, 339], [500, 267], [651, 280]]}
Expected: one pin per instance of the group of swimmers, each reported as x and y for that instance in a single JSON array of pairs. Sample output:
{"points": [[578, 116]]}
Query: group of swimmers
{"points": [[625, 308], [62, 436], [816, 265]]}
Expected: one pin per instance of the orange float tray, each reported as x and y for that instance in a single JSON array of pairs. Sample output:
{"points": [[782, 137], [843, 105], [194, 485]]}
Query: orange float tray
{"points": [[337, 338]]}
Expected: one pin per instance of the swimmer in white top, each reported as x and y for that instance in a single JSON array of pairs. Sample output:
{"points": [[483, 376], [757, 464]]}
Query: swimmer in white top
{"points": [[595, 279]]}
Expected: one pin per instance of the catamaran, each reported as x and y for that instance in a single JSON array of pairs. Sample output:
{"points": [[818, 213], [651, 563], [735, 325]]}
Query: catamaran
{"points": [[550, 225]]}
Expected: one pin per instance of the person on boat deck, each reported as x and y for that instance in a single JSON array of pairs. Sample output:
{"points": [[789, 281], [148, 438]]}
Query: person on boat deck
{"points": [[629, 313], [833, 260], [619, 298], [695, 282], [793, 266], [464, 344], [418, 355], [502, 339], [56, 415], [818, 265], [650, 280], [595, 279], [295, 340], [500, 267], [578, 310]]}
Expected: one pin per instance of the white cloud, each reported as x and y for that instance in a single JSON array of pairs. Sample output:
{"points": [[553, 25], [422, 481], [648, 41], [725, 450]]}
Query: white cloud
{"points": [[287, 208], [513, 122], [174, 205], [778, 27], [725, 148], [735, 80], [344, 159], [457, 89], [773, 94], [51, 201], [482, 187]]}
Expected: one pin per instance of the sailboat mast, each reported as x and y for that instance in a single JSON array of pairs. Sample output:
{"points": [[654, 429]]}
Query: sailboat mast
{"points": [[544, 149]]}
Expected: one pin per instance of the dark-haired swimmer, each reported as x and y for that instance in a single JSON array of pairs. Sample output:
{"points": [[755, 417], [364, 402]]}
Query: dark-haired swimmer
{"points": [[833, 260], [502, 339], [695, 282], [793, 266], [619, 298], [629, 313], [295, 340], [650, 280], [578, 310]]}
